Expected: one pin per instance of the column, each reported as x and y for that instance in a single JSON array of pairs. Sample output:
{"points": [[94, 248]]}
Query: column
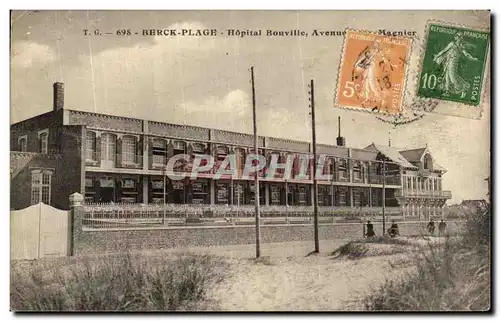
{"points": [[231, 192], [332, 197], [145, 189], [266, 193], [76, 219], [442, 211], [145, 151], [211, 187], [370, 196], [286, 193], [351, 197]]}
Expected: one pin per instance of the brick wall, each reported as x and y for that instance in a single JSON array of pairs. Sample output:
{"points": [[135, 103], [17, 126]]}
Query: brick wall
{"points": [[70, 172], [105, 121], [122, 240], [30, 128]]}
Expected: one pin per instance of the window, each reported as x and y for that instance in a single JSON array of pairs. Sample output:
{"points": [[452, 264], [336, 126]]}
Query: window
{"points": [[275, 195], [222, 193], [159, 152], [108, 149], [129, 146], [356, 171], [198, 148], [427, 162], [43, 141], [302, 195], [40, 186], [356, 195], [91, 146], [240, 159], [22, 143], [239, 194], [89, 182], [331, 165], [342, 163], [179, 147], [342, 196], [221, 154]]}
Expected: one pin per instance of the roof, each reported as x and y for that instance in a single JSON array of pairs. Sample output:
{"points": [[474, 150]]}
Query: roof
{"points": [[391, 153], [438, 168], [413, 155]]}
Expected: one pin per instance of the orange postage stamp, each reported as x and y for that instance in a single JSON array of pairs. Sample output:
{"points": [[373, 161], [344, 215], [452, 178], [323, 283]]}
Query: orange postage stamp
{"points": [[372, 72]]}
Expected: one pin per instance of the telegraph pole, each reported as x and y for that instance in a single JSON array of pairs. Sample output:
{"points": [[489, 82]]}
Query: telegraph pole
{"points": [[164, 195], [315, 181], [256, 192], [383, 197]]}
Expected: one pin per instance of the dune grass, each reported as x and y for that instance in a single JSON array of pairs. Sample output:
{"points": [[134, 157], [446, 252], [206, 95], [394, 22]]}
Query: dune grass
{"points": [[118, 283], [449, 276]]}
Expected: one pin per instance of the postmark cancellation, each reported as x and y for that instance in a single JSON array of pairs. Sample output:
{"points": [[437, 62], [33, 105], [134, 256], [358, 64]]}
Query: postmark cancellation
{"points": [[372, 72]]}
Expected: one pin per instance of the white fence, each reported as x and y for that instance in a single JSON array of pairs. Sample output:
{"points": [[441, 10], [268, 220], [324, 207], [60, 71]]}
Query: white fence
{"points": [[141, 215]]}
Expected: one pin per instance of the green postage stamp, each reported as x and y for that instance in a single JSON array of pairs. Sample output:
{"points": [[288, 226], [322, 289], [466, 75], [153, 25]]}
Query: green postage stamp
{"points": [[454, 64]]}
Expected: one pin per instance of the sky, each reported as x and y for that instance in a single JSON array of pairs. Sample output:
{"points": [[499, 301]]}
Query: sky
{"points": [[205, 81]]}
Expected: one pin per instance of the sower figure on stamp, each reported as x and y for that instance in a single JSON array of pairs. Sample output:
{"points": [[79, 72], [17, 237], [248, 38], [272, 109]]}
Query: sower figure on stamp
{"points": [[369, 229], [366, 65], [448, 59]]}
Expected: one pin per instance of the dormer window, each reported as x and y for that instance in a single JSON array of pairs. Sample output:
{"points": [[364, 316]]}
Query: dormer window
{"points": [[428, 162]]}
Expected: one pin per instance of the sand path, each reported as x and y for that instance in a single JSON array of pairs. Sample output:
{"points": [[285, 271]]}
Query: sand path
{"points": [[287, 280]]}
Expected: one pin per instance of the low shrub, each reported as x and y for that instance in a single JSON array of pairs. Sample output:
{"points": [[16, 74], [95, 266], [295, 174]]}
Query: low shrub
{"points": [[351, 250], [451, 276], [123, 283]]}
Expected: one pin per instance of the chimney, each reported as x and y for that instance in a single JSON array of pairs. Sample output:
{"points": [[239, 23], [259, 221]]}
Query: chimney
{"points": [[340, 139], [58, 96]]}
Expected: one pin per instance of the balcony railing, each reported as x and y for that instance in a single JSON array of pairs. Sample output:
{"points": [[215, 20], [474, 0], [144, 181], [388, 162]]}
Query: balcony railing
{"points": [[423, 193], [389, 179]]}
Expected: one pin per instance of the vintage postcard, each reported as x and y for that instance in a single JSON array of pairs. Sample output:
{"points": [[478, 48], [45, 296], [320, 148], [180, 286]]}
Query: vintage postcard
{"points": [[250, 161]]}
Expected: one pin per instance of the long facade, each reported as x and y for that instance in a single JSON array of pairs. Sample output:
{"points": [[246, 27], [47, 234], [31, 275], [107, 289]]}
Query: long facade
{"points": [[123, 160]]}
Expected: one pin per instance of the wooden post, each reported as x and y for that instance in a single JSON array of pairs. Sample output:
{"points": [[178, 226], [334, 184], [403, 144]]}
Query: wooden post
{"points": [[315, 181], [383, 197], [257, 189]]}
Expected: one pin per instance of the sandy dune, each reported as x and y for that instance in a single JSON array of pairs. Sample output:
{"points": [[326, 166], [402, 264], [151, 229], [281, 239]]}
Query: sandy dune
{"points": [[285, 279]]}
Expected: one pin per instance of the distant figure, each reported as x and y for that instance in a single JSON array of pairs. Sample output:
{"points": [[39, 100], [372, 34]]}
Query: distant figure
{"points": [[431, 226], [394, 230], [442, 227], [369, 229]]}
